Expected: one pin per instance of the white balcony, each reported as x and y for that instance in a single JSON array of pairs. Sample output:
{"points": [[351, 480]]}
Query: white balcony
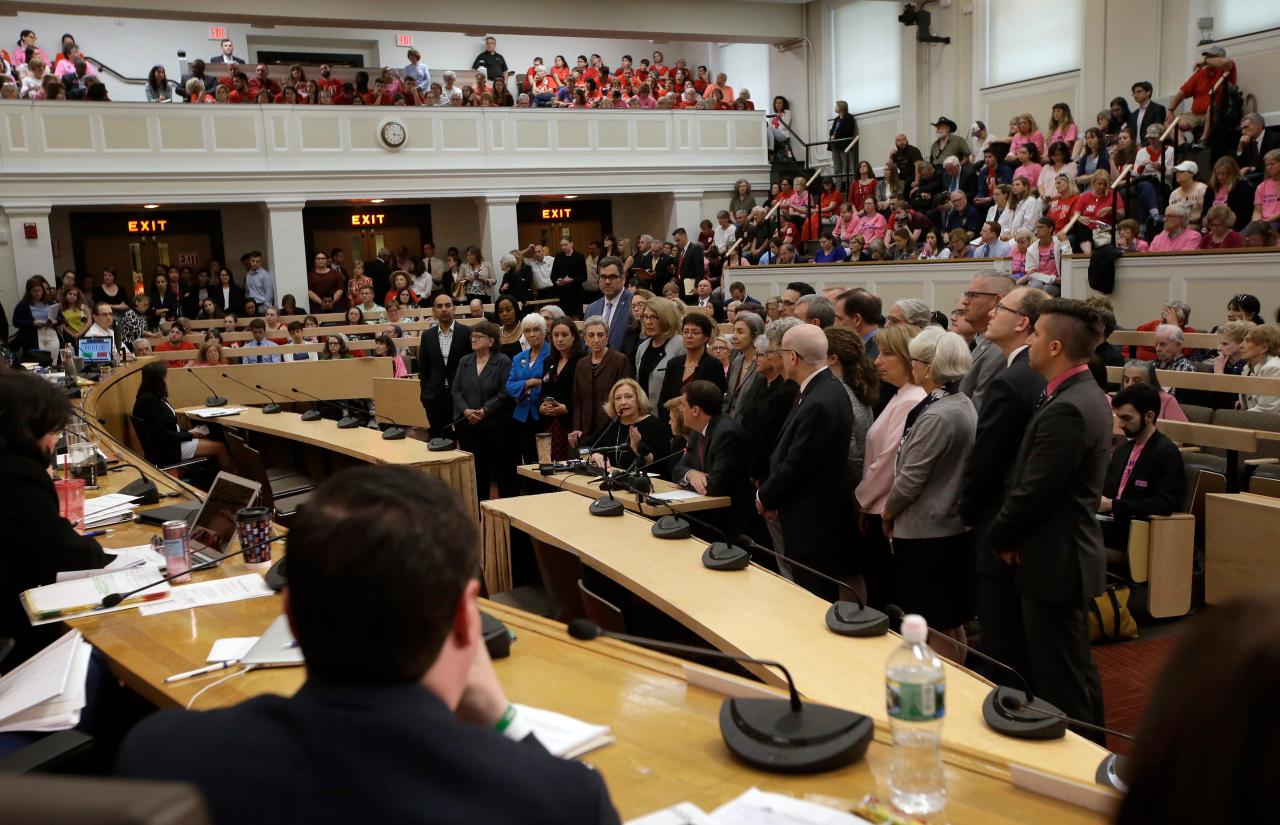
{"points": [[107, 152]]}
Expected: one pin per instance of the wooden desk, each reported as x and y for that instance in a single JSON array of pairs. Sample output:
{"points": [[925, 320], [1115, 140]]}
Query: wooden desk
{"points": [[1208, 381], [579, 484], [756, 613], [323, 449], [1240, 553], [1234, 440]]}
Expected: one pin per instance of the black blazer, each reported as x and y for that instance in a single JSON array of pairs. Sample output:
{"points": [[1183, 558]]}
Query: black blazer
{"points": [[1155, 114], [1252, 155], [763, 415], [726, 460], [1007, 406], [39, 543], [662, 266], [653, 434], [162, 429], [558, 384], [1156, 486], [434, 372], [237, 299], [693, 266], [518, 283], [709, 369], [169, 301], [574, 267], [488, 388], [356, 753], [1048, 514], [717, 308], [811, 492]]}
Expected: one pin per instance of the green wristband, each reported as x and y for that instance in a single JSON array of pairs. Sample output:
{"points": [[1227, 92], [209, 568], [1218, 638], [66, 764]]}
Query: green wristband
{"points": [[508, 716]]}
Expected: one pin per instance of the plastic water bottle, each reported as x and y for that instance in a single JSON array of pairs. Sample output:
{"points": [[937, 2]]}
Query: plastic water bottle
{"points": [[916, 689]]}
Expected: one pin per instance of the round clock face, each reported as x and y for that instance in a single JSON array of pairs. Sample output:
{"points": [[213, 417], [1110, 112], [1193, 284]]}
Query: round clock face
{"points": [[394, 134]]}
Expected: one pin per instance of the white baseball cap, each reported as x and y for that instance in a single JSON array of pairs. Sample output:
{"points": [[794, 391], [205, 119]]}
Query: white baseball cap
{"points": [[1187, 166]]}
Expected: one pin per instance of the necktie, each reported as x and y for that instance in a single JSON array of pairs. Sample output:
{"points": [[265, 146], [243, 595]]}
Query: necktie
{"points": [[608, 313], [1044, 399], [702, 452]]}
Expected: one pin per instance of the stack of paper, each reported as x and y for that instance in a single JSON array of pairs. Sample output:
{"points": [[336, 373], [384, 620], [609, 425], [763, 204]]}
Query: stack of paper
{"points": [[82, 597], [46, 693], [126, 558], [108, 509], [214, 591], [562, 735], [755, 807], [215, 412]]}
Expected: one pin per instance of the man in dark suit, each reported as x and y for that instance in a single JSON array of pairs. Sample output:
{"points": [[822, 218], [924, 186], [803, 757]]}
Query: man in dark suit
{"points": [[959, 177], [439, 352], [1145, 477], [614, 303], [807, 491], [702, 299], [401, 701], [227, 55], [1147, 111], [718, 458], [1008, 403], [956, 212], [690, 262], [378, 270], [654, 260], [568, 274], [1046, 527], [1255, 142]]}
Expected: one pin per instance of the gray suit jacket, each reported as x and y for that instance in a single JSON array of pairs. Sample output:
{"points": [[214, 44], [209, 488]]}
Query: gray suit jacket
{"points": [[740, 384], [929, 470], [988, 362], [1048, 513], [675, 346]]}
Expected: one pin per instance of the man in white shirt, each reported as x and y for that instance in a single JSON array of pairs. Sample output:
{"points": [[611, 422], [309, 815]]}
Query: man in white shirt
{"points": [[259, 284], [989, 243], [373, 313], [450, 95], [417, 72], [725, 234], [433, 271], [541, 266], [103, 326], [258, 328]]}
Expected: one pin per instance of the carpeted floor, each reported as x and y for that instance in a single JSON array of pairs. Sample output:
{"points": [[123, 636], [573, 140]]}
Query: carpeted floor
{"points": [[1128, 670]]}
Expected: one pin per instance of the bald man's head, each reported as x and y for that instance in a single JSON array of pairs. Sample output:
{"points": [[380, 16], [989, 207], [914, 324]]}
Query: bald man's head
{"points": [[807, 345]]}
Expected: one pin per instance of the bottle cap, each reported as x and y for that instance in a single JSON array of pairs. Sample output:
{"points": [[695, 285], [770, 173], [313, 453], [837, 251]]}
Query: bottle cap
{"points": [[914, 628]]}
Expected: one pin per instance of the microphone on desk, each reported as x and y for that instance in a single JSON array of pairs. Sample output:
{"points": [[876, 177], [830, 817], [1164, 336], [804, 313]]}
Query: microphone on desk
{"points": [[348, 421], [773, 734], [396, 432], [114, 599], [270, 408], [214, 400], [1010, 714]]}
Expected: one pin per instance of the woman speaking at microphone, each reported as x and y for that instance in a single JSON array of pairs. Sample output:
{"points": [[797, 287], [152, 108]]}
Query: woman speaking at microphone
{"points": [[631, 432]]}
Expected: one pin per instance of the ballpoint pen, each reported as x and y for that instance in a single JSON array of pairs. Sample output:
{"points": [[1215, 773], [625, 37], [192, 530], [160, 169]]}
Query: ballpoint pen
{"points": [[177, 677]]}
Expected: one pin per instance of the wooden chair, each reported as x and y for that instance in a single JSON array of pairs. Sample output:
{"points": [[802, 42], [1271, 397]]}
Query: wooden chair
{"points": [[602, 612], [1161, 556]]}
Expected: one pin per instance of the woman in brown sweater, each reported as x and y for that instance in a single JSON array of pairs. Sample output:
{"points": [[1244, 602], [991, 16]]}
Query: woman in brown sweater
{"points": [[596, 373]]}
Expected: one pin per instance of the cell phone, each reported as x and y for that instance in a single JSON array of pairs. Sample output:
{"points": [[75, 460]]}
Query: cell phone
{"points": [[547, 399]]}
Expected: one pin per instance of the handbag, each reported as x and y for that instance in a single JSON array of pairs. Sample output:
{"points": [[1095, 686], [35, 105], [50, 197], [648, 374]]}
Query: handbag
{"points": [[1109, 616]]}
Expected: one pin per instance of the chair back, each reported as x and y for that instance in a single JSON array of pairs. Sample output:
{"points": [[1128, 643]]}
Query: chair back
{"points": [[249, 462], [140, 432], [602, 612], [560, 571]]}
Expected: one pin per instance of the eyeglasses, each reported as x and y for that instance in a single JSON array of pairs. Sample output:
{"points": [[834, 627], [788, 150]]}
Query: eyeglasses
{"points": [[648, 316], [787, 303], [1000, 306], [611, 277], [921, 361], [971, 294]]}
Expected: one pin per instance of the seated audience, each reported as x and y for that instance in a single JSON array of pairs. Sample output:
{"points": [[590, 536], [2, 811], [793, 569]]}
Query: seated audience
{"points": [[1261, 353], [1145, 475], [1144, 372]]}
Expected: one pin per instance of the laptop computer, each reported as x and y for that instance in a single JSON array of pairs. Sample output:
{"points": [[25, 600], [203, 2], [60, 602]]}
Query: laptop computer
{"points": [[213, 523], [275, 647]]}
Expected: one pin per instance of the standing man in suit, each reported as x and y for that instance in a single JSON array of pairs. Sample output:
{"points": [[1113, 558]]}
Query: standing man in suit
{"points": [[690, 261], [807, 491], [568, 274], [717, 461], [1145, 477], [1147, 112], [614, 303], [439, 352], [400, 701], [653, 260], [227, 55], [1007, 407], [1046, 529], [980, 299]]}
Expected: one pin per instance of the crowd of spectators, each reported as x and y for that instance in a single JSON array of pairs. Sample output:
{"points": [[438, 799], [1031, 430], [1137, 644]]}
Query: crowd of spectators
{"points": [[25, 72]]}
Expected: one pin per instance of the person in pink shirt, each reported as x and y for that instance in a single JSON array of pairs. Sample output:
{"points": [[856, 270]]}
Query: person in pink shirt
{"points": [[1029, 165], [1062, 128], [1266, 200], [1219, 221], [846, 224], [1027, 133], [1129, 240], [871, 224], [645, 99], [1177, 236]]}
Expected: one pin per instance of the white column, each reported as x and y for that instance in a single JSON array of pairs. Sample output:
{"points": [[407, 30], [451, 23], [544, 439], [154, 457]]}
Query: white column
{"points": [[286, 252], [499, 232], [30, 256], [686, 212]]}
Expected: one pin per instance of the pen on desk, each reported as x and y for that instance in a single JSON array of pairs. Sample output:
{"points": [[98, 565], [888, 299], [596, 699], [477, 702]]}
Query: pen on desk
{"points": [[177, 677], [289, 645], [95, 533]]}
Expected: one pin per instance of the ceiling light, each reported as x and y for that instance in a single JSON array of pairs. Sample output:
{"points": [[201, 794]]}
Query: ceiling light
{"points": [[376, 200], [569, 197], [151, 206]]}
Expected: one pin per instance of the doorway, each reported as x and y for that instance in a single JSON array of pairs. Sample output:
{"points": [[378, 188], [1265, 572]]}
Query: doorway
{"points": [[136, 244], [361, 230], [546, 222]]}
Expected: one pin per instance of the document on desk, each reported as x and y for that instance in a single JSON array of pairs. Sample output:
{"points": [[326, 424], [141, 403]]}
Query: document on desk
{"points": [[682, 813], [675, 495], [215, 412], [562, 735], [108, 509], [47, 692], [81, 597], [757, 807], [126, 558], [214, 591]]}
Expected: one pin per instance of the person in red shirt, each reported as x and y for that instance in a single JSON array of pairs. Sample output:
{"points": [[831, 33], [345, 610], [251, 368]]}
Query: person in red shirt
{"points": [[1212, 66], [1062, 204], [1175, 313], [240, 90], [379, 96], [1095, 209], [229, 78], [679, 77], [328, 81], [1220, 221], [702, 81], [560, 70], [262, 80], [175, 344], [657, 66], [828, 206]]}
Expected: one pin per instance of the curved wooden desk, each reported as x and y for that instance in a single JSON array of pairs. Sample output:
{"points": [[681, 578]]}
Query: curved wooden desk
{"points": [[756, 613]]}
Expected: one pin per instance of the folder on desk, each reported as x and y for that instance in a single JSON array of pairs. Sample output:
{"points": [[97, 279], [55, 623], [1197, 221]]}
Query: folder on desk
{"points": [[79, 597]]}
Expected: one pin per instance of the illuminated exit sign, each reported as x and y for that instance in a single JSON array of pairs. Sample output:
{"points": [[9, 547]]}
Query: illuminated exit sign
{"points": [[404, 40], [218, 33], [368, 219], [153, 225], [562, 213]]}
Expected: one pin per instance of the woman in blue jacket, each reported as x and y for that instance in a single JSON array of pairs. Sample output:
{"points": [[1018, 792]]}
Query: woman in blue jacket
{"points": [[524, 384]]}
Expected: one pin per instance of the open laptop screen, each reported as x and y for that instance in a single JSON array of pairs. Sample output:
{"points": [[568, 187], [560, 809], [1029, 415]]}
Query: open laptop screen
{"points": [[213, 527]]}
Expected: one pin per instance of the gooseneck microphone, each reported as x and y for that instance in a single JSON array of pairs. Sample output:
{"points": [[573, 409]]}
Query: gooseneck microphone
{"points": [[772, 734], [843, 618], [114, 599], [214, 400], [270, 408], [348, 419]]}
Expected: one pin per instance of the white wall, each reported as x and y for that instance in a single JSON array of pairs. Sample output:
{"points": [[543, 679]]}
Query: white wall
{"points": [[747, 65]]}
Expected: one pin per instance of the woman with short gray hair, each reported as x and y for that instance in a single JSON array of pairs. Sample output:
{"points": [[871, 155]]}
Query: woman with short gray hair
{"points": [[931, 547], [742, 379], [911, 311]]}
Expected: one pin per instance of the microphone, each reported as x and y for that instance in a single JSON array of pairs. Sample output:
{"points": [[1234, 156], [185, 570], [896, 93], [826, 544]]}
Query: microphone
{"points": [[395, 432], [214, 400], [1007, 713], [772, 734], [843, 618], [114, 599], [271, 407], [347, 421], [312, 414]]}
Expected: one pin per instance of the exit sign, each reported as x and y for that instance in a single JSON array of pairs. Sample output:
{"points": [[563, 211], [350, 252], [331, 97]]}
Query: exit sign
{"points": [[405, 40], [217, 32]]}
